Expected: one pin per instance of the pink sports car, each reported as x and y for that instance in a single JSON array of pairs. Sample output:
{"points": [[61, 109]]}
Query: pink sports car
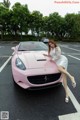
{"points": [[31, 69]]}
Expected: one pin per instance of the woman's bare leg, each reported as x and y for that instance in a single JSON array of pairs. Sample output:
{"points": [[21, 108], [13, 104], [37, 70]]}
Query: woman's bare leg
{"points": [[65, 74], [62, 70], [65, 88]]}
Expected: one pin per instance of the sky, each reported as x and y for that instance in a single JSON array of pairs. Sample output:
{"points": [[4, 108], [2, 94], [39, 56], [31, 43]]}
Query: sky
{"points": [[47, 7]]}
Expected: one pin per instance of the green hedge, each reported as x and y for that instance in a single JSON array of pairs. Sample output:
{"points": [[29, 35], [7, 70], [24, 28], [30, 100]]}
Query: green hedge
{"points": [[19, 38], [34, 38]]}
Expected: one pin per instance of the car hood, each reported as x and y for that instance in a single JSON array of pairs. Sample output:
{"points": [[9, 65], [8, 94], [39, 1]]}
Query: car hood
{"points": [[35, 59]]}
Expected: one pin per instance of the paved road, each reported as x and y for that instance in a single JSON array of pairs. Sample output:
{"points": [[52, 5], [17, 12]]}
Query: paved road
{"points": [[42, 104]]}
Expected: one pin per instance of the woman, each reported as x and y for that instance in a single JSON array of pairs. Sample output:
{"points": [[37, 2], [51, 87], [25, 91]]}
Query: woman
{"points": [[54, 52]]}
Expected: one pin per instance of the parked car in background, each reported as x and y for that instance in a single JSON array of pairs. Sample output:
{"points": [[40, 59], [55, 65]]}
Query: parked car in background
{"points": [[45, 40]]}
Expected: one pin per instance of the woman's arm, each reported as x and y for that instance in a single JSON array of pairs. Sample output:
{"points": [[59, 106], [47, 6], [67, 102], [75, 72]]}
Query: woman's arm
{"points": [[57, 53], [48, 55]]}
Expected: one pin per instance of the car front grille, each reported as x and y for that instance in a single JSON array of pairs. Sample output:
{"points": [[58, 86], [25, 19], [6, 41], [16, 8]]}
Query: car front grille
{"points": [[42, 79]]}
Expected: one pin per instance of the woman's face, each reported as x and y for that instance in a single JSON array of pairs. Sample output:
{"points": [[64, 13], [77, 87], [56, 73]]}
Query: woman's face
{"points": [[51, 45]]}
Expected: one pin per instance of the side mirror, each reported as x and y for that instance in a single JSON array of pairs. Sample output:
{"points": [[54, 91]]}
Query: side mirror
{"points": [[13, 48]]}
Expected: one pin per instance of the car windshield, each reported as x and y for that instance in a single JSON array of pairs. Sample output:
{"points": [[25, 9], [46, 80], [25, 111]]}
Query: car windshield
{"points": [[32, 46]]}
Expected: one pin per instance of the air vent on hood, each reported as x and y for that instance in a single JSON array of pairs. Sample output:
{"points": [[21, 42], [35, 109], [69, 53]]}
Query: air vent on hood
{"points": [[41, 60]]}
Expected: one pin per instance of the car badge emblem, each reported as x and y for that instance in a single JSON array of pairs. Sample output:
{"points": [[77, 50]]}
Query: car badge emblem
{"points": [[45, 78]]}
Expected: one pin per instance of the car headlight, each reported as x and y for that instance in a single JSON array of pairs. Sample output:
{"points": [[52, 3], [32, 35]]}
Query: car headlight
{"points": [[20, 64]]}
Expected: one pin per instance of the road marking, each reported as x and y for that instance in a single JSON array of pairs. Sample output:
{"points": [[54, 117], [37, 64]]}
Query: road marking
{"points": [[5, 56], [1, 46], [3, 66], [63, 52], [73, 116], [78, 54], [74, 101], [73, 57], [70, 48]]}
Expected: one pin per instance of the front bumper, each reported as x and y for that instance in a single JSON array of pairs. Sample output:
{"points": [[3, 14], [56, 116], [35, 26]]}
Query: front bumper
{"points": [[35, 78], [44, 79]]}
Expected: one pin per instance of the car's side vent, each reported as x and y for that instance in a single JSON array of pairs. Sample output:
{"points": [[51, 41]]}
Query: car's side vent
{"points": [[41, 60]]}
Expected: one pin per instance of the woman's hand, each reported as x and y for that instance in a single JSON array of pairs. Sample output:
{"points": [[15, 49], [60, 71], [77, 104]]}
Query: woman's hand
{"points": [[45, 54], [51, 60]]}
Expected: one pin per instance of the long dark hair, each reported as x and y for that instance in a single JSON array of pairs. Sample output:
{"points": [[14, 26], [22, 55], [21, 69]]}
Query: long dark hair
{"points": [[53, 42]]}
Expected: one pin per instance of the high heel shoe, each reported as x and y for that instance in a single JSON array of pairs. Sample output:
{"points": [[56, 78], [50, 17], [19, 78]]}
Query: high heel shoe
{"points": [[67, 99], [74, 84]]}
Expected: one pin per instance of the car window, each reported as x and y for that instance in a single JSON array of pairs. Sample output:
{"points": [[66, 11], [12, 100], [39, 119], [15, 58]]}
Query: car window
{"points": [[32, 46]]}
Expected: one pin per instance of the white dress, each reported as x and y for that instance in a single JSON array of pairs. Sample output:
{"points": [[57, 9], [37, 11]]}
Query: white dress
{"points": [[60, 60]]}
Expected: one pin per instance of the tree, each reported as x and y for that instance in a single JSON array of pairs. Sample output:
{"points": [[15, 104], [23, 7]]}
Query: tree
{"points": [[77, 27], [4, 18], [70, 25], [54, 23], [6, 3], [19, 20], [36, 22]]}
